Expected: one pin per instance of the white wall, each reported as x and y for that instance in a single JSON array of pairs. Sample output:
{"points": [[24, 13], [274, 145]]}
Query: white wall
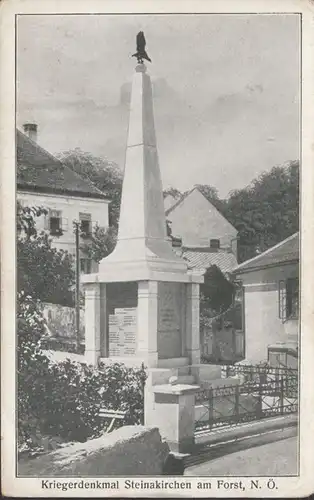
{"points": [[70, 206], [197, 221], [261, 301], [169, 200]]}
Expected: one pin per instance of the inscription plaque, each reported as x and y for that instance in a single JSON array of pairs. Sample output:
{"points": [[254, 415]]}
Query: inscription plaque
{"points": [[122, 332], [169, 340]]}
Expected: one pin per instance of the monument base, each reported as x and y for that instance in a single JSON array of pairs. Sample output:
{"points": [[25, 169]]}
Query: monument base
{"points": [[127, 273], [171, 409]]}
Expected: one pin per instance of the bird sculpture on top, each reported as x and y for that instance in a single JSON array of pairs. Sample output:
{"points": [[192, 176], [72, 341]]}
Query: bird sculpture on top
{"points": [[141, 53]]}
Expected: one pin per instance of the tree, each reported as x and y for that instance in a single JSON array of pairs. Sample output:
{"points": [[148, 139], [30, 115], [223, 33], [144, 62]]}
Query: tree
{"points": [[25, 219], [44, 273], [267, 211], [101, 244], [172, 191], [216, 293], [105, 174], [211, 193]]}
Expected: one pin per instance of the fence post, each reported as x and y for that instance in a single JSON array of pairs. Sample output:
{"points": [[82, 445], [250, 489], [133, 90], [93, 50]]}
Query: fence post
{"points": [[211, 406], [237, 401], [259, 409], [281, 396]]}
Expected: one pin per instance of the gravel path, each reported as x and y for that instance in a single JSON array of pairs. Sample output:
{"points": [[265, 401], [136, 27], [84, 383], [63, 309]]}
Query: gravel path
{"points": [[273, 459]]}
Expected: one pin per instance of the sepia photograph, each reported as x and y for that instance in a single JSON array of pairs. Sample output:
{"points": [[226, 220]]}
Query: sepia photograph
{"points": [[158, 252]]}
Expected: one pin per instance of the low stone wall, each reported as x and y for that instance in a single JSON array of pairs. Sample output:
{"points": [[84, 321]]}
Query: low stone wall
{"points": [[61, 321], [130, 450]]}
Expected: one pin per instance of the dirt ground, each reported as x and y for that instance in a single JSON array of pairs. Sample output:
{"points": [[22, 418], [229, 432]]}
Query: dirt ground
{"points": [[276, 458]]}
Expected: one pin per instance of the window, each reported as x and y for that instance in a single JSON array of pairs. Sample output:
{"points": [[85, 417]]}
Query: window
{"points": [[238, 305], [86, 225], [214, 243], [86, 266], [289, 299], [55, 222]]}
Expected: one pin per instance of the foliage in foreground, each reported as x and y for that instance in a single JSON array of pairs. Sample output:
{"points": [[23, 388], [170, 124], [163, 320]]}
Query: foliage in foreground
{"points": [[63, 399], [102, 243], [44, 272]]}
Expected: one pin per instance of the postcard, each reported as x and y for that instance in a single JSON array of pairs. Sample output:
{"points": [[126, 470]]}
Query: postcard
{"points": [[157, 248]]}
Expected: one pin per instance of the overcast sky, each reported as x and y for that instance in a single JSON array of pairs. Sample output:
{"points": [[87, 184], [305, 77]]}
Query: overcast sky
{"points": [[226, 90]]}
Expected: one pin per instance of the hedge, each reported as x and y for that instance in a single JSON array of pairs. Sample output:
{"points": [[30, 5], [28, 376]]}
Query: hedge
{"points": [[63, 399]]}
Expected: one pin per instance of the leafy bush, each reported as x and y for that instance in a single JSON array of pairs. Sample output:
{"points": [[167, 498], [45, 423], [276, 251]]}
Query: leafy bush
{"points": [[101, 243], [63, 399], [73, 393], [30, 360], [45, 272]]}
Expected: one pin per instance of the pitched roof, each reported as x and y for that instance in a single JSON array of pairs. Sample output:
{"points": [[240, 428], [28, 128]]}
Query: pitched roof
{"points": [[216, 203], [38, 170], [204, 259], [178, 201], [285, 252]]}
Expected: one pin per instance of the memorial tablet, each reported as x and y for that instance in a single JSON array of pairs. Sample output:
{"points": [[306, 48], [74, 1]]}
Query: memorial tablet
{"points": [[122, 332]]}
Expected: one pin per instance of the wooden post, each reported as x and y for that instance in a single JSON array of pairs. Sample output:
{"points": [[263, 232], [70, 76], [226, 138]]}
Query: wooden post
{"points": [[77, 283]]}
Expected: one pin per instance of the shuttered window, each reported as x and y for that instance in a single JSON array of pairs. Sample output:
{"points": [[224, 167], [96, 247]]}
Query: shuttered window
{"points": [[292, 298], [289, 299], [55, 222], [86, 224], [86, 266]]}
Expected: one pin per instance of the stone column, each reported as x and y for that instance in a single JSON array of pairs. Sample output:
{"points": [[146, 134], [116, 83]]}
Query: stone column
{"points": [[104, 337], [193, 322], [92, 322], [147, 322], [174, 415]]}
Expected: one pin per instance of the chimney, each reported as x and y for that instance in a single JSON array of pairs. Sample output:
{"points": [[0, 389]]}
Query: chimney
{"points": [[214, 245], [30, 129]]}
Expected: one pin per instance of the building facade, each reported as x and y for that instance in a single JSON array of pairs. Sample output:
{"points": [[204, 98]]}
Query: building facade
{"points": [[271, 303], [43, 181], [200, 224]]}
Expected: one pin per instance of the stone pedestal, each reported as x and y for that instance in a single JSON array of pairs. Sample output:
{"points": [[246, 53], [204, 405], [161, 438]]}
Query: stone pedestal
{"points": [[173, 413]]}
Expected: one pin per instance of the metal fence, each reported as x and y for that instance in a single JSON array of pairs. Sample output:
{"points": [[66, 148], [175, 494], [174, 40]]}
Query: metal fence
{"points": [[259, 392]]}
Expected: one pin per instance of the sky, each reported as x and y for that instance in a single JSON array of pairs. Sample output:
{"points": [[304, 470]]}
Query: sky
{"points": [[226, 90]]}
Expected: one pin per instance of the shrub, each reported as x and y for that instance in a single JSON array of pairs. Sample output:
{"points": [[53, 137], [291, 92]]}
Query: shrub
{"points": [[63, 399], [30, 360], [44, 272], [73, 393]]}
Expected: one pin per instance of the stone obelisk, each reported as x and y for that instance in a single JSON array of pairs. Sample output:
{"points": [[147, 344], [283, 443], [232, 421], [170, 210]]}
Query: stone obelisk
{"points": [[142, 245]]}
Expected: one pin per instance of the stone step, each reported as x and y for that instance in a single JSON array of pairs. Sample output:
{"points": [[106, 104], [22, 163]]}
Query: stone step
{"points": [[180, 370], [186, 379], [220, 382], [173, 362]]}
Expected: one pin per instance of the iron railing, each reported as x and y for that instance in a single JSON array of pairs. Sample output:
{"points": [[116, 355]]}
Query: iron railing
{"points": [[262, 392]]}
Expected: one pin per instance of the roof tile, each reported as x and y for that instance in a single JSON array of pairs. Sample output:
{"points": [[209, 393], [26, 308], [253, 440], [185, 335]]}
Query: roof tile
{"points": [[225, 261], [284, 252], [39, 170]]}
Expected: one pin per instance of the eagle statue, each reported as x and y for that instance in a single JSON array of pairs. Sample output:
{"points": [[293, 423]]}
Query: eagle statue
{"points": [[141, 53]]}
